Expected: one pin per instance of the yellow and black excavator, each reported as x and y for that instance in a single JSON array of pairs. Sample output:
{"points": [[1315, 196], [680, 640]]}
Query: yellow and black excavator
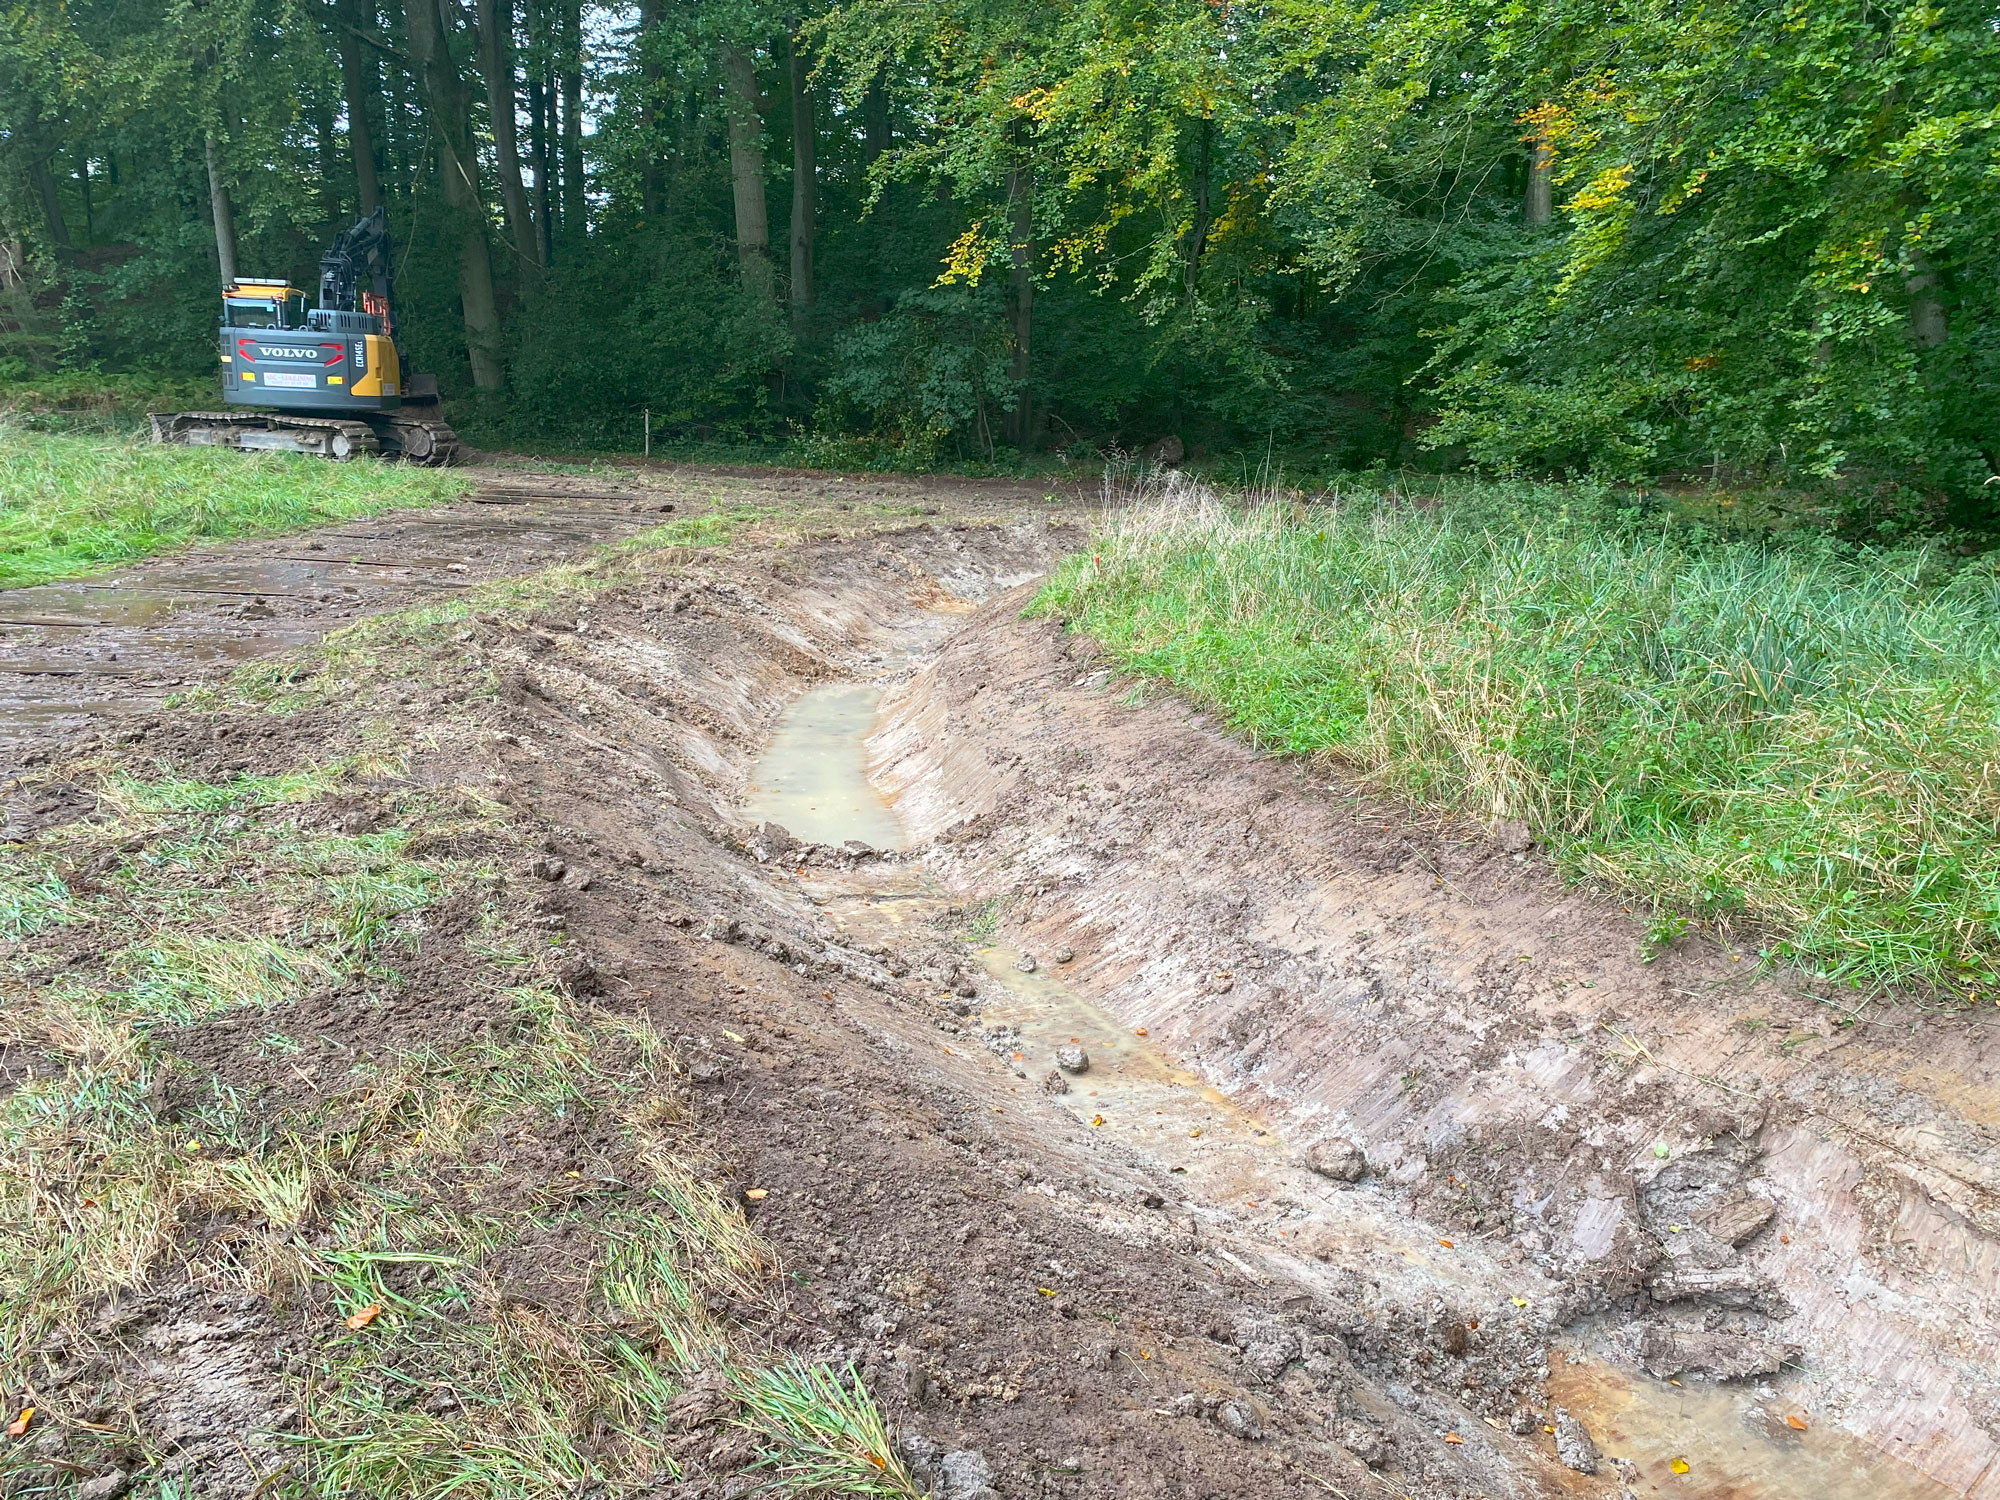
{"points": [[326, 380]]}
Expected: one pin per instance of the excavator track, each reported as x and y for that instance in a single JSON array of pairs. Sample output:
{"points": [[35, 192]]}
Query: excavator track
{"points": [[415, 437], [326, 437], [409, 435]]}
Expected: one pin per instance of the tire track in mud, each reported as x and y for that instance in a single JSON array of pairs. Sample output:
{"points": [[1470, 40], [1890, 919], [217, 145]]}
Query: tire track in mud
{"points": [[118, 642]]}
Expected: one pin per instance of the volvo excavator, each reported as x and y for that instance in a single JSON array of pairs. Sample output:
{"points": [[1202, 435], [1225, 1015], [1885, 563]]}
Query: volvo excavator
{"points": [[326, 380]]}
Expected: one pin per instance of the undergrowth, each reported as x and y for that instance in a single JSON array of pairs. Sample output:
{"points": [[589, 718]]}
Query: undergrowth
{"points": [[73, 504], [1781, 736]]}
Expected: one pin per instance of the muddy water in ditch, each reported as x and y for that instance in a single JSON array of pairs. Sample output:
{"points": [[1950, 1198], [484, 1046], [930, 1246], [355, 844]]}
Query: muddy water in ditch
{"points": [[1691, 1440], [813, 780]]}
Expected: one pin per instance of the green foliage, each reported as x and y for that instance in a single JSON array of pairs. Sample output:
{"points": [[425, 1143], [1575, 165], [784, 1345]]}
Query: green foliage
{"points": [[1301, 228], [1787, 736], [644, 321], [73, 505], [932, 370]]}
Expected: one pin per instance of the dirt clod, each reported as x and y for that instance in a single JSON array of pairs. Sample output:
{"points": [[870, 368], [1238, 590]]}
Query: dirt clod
{"points": [[1073, 1059], [1339, 1159], [1239, 1420], [1667, 1352], [1574, 1448]]}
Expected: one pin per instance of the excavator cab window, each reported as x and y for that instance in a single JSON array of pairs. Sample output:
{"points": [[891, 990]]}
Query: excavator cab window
{"points": [[252, 312], [288, 311]]}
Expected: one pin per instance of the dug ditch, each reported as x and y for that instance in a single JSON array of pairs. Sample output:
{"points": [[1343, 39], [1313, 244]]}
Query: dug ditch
{"points": [[1392, 1171], [1572, 1187]]}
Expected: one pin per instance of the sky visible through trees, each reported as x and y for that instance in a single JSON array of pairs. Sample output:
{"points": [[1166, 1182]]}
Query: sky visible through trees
{"points": [[1743, 241]]}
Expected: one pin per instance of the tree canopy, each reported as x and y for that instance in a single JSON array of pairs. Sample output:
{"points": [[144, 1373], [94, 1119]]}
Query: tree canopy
{"points": [[1633, 238]]}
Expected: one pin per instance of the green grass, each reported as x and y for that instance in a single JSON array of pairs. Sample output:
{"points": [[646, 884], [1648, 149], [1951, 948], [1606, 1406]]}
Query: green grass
{"points": [[73, 504], [1782, 737]]}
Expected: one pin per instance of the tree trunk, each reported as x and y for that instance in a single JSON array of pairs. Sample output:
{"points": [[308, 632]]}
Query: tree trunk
{"points": [[805, 185], [450, 115], [225, 213], [539, 99], [1203, 210], [650, 185], [51, 200], [875, 120], [496, 61], [358, 82], [575, 211], [1539, 206], [89, 216], [1928, 328], [746, 170], [1021, 288]]}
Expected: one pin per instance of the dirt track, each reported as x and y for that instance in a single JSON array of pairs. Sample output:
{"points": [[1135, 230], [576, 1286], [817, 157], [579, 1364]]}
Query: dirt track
{"points": [[1131, 1280], [119, 642]]}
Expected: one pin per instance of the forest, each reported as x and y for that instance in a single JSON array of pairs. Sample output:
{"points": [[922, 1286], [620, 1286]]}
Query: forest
{"points": [[1754, 244]]}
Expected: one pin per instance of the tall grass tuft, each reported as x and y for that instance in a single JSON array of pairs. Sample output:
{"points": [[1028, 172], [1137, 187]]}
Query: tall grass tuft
{"points": [[1783, 736]]}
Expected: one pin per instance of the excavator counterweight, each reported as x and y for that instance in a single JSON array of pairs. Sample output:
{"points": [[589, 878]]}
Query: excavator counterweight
{"points": [[326, 380]]}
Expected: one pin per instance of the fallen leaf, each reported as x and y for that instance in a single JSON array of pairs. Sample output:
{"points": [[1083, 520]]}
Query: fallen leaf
{"points": [[364, 1316], [1495, 1423], [756, 1195], [20, 1424], [1097, 1119], [1138, 1031], [1796, 1423], [731, 1035], [878, 1460], [1472, 1322], [194, 1145], [1448, 1244], [1452, 1437], [1046, 1291], [1679, 1466], [1194, 1135], [1547, 1428], [1520, 1301]]}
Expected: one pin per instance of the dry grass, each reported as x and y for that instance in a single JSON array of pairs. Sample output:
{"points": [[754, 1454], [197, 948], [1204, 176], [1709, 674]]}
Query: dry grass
{"points": [[380, 1185]]}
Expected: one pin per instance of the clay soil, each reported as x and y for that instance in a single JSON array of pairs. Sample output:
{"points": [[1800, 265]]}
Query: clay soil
{"points": [[1395, 1171]]}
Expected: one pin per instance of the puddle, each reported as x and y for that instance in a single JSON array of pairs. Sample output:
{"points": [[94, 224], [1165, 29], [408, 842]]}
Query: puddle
{"points": [[813, 779], [1735, 1445]]}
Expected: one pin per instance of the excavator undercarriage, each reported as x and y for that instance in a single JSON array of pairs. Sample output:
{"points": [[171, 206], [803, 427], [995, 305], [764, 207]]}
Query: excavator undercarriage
{"points": [[409, 434]]}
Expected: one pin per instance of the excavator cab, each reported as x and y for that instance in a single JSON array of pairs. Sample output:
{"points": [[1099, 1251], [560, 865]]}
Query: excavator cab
{"points": [[263, 304]]}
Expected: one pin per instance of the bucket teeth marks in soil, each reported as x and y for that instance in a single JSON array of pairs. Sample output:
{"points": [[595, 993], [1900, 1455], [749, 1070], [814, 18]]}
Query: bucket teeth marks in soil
{"points": [[693, 1110], [1542, 1118]]}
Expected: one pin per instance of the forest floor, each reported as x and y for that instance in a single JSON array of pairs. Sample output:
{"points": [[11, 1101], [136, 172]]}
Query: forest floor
{"points": [[430, 1066]]}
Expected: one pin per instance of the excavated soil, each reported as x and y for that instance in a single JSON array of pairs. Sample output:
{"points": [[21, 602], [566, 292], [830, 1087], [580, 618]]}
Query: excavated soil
{"points": [[1392, 1170]]}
